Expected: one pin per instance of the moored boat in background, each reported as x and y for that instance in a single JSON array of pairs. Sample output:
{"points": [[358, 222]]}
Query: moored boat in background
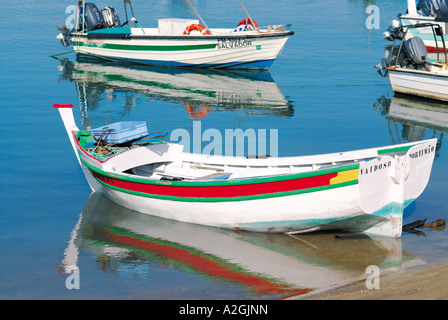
{"points": [[409, 68], [426, 11], [174, 42]]}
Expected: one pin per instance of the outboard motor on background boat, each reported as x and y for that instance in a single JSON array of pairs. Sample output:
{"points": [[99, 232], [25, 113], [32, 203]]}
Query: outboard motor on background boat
{"points": [[415, 50], [110, 17], [413, 55], [93, 19], [433, 8], [382, 67], [64, 36]]}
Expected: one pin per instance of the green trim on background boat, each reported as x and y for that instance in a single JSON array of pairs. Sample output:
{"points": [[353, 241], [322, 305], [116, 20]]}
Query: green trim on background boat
{"points": [[148, 83], [116, 30], [243, 181], [145, 47], [234, 35]]}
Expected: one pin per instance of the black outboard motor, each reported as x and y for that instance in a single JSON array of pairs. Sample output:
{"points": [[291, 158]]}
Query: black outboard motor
{"points": [[382, 67], [110, 17], [93, 19], [415, 50], [434, 8], [413, 55]]}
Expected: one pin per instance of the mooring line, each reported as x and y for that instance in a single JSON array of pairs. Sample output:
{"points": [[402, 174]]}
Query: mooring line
{"points": [[328, 65], [60, 54]]}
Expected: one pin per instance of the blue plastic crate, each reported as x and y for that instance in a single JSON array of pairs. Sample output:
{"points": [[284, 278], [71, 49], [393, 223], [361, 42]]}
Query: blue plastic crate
{"points": [[124, 131]]}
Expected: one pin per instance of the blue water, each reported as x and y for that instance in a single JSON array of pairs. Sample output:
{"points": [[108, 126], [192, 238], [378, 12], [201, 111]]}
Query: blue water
{"points": [[328, 98]]}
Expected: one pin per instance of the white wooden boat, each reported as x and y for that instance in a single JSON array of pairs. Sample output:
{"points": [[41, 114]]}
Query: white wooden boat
{"points": [[409, 69], [363, 190], [426, 11], [174, 42]]}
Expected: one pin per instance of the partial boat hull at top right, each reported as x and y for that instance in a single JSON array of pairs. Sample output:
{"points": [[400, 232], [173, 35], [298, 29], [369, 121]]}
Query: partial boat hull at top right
{"points": [[425, 11], [411, 69]]}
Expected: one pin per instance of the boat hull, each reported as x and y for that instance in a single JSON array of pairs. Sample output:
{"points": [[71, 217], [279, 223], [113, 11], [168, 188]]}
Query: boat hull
{"points": [[295, 214], [362, 190], [432, 86], [364, 197], [250, 51]]}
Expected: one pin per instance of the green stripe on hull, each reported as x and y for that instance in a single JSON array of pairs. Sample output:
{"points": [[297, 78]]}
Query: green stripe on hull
{"points": [[144, 47], [394, 150]]}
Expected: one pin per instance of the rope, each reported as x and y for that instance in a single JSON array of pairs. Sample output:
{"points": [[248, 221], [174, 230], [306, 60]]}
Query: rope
{"points": [[59, 54], [328, 65], [103, 153]]}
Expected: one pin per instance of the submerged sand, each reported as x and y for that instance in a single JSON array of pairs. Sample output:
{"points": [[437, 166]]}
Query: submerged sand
{"points": [[429, 282]]}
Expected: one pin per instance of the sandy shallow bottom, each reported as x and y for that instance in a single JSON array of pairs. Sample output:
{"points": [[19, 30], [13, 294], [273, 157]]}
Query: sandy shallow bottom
{"points": [[429, 282]]}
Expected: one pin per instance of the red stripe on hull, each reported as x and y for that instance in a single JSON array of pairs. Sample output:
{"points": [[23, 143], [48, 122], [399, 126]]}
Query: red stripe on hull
{"points": [[220, 191]]}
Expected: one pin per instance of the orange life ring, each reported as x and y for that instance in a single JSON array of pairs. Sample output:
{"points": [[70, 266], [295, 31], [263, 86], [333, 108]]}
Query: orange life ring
{"points": [[248, 22], [196, 27]]}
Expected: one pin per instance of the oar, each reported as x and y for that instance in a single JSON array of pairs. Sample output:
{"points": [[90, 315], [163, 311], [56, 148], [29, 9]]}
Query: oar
{"points": [[247, 13], [197, 13]]}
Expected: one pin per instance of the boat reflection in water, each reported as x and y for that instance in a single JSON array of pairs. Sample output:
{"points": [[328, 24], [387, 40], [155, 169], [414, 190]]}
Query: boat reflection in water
{"points": [[419, 118], [272, 266], [201, 91]]}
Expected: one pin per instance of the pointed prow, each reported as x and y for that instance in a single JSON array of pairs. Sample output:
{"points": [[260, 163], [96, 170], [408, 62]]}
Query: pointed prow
{"points": [[66, 112]]}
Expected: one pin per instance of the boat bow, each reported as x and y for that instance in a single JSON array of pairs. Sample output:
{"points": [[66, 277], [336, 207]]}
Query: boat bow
{"points": [[363, 190], [66, 113]]}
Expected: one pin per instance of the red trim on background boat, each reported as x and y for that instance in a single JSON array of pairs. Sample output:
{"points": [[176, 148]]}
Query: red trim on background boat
{"points": [[431, 49], [62, 105]]}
